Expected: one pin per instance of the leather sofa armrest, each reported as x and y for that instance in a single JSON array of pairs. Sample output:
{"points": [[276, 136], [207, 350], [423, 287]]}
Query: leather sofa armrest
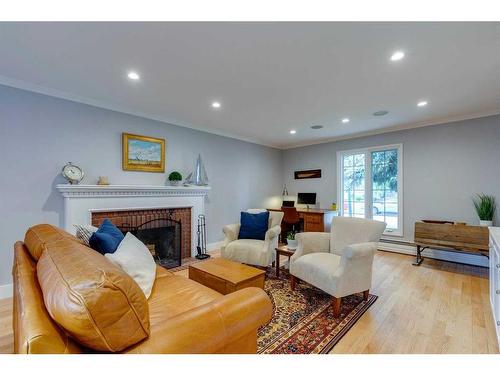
{"points": [[211, 327]]}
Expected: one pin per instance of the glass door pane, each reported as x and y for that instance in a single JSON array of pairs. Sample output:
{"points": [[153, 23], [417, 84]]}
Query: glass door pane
{"points": [[353, 172], [384, 171]]}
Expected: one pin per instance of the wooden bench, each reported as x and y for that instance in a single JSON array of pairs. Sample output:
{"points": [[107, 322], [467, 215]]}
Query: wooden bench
{"points": [[450, 236]]}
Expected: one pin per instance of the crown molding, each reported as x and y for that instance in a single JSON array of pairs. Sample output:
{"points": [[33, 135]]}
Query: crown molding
{"points": [[445, 120], [27, 86]]}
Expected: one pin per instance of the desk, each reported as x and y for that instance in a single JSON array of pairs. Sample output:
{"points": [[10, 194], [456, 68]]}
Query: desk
{"points": [[315, 219]]}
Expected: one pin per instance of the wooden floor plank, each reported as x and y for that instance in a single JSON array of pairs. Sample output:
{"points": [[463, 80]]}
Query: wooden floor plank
{"points": [[439, 307], [6, 336]]}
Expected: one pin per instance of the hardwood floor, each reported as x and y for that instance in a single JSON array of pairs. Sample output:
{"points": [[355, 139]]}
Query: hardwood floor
{"points": [[439, 307], [6, 338]]}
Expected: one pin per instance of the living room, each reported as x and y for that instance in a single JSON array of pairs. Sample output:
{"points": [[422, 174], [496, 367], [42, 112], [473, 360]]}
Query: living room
{"points": [[249, 187]]}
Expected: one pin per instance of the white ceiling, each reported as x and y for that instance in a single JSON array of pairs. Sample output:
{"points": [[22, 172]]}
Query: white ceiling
{"points": [[269, 77]]}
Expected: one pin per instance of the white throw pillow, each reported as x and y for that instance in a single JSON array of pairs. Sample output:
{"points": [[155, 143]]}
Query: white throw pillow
{"points": [[84, 232], [133, 257]]}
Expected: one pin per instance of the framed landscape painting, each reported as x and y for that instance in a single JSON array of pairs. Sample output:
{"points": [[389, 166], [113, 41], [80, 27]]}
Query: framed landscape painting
{"points": [[140, 153]]}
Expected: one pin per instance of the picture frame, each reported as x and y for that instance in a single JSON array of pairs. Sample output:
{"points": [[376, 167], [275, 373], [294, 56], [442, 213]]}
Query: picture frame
{"points": [[311, 173], [142, 153]]}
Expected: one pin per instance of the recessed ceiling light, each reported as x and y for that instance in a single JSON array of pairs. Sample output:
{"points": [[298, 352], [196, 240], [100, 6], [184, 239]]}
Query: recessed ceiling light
{"points": [[345, 120], [422, 103], [134, 76], [293, 131], [398, 55], [315, 127], [216, 105], [380, 113]]}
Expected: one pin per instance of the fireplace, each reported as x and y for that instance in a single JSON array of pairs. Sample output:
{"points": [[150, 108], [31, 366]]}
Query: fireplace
{"points": [[134, 205], [163, 239], [166, 231]]}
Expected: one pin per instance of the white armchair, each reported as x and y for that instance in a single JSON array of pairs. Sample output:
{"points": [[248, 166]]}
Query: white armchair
{"points": [[254, 252], [339, 263]]}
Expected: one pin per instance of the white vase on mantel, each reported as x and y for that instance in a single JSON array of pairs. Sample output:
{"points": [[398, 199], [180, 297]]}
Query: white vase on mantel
{"points": [[486, 223]]}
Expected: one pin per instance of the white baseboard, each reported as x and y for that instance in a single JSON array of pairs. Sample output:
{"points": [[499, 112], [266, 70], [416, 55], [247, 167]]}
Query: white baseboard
{"points": [[475, 260], [6, 291], [214, 245]]}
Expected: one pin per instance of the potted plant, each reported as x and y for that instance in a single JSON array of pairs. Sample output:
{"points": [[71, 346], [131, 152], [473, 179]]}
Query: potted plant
{"points": [[291, 241], [175, 178], [485, 208]]}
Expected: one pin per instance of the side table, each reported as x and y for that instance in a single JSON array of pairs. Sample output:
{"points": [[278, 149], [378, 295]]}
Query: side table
{"points": [[282, 250]]}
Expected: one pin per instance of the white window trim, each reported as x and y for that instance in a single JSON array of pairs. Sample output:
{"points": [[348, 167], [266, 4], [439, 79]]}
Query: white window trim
{"points": [[368, 182]]}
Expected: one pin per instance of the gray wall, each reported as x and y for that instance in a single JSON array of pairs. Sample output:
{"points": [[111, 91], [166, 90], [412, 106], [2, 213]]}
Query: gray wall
{"points": [[444, 165], [39, 134]]}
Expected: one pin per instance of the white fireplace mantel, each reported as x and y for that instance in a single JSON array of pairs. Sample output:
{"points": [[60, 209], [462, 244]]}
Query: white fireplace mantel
{"points": [[81, 200], [82, 191]]}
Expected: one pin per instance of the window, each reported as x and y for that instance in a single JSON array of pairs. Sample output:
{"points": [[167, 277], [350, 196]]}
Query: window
{"points": [[370, 185]]}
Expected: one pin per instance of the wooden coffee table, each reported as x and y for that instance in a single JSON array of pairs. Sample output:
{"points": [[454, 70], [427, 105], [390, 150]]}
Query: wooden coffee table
{"points": [[226, 276], [282, 250]]}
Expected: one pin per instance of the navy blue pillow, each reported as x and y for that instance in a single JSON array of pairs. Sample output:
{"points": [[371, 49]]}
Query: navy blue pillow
{"points": [[107, 238], [253, 226]]}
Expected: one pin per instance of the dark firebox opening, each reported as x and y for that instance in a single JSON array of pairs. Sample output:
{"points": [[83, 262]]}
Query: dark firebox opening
{"points": [[163, 239]]}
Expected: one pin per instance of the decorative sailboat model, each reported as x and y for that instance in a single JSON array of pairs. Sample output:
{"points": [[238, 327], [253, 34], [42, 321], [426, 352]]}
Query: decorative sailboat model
{"points": [[199, 176]]}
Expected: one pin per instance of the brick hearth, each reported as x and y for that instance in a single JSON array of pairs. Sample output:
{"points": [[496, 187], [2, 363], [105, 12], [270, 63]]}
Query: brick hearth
{"points": [[138, 217]]}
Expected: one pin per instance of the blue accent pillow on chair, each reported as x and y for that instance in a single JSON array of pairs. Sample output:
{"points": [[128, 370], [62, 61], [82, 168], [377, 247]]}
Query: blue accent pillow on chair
{"points": [[107, 238], [254, 226]]}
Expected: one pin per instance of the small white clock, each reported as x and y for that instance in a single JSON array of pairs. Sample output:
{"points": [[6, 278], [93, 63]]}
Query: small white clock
{"points": [[72, 173]]}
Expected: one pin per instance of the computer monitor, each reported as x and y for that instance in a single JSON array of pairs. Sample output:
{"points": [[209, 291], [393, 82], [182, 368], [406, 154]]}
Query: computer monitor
{"points": [[306, 198], [288, 204]]}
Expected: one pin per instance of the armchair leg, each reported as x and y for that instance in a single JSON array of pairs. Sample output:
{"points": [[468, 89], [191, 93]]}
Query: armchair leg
{"points": [[365, 294], [336, 304], [293, 282]]}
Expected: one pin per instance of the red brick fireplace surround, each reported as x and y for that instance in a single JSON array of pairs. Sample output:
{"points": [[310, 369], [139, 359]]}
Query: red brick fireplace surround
{"points": [[135, 218]]}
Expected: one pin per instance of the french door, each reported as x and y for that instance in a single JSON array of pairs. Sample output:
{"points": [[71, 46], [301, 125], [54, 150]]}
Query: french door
{"points": [[370, 185]]}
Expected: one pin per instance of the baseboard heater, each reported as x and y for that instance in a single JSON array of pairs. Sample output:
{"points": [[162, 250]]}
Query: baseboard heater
{"points": [[396, 242]]}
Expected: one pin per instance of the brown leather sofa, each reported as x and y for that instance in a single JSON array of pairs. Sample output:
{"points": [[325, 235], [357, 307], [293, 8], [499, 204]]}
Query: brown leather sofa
{"points": [[67, 297]]}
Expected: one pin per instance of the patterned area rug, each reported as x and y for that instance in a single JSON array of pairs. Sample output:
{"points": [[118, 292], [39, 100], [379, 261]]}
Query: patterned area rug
{"points": [[302, 321]]}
